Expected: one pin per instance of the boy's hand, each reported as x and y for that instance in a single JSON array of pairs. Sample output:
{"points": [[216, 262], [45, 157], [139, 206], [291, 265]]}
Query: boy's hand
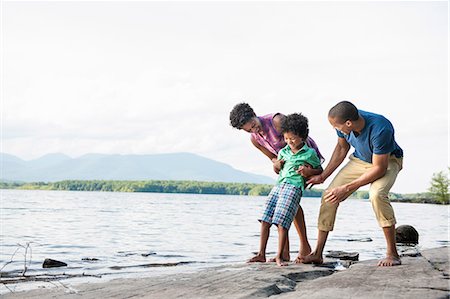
{"points": [[277, 165]]}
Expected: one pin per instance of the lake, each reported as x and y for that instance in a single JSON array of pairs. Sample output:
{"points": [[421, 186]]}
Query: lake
{"points": [[114, 235]]}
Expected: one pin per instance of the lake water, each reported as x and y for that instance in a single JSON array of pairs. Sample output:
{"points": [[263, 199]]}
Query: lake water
{"points": [[124, 231]]}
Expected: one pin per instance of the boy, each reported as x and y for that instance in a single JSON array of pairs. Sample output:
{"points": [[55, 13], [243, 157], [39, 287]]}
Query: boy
{"points": [[295, 161]]}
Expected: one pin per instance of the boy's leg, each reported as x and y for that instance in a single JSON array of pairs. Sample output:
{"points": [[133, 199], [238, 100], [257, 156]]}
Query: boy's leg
{"points": [[266, 221], [282, 237], [378, 195], [300, 226], [261, 256], [327, 215], [286, 253], [285, 211]]}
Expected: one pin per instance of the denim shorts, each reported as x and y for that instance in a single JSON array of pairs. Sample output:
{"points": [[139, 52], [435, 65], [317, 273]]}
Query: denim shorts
{"points": [[281, 205]]}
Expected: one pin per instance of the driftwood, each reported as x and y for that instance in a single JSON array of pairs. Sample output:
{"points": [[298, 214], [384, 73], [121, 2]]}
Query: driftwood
{"points": [[41, 277]]}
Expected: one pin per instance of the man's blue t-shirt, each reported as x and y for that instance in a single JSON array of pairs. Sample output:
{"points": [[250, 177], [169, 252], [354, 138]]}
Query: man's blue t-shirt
{"points": [[377, 137]]}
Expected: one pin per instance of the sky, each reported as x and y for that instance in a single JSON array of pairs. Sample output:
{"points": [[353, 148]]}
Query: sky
{"points": [[161, 77]]}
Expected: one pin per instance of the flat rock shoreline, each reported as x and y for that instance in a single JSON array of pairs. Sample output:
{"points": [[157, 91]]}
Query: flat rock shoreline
{"points": [[422, 276]]}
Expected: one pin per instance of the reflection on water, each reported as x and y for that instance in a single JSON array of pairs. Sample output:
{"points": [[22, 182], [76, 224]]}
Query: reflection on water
{"points": [[144, 234]]}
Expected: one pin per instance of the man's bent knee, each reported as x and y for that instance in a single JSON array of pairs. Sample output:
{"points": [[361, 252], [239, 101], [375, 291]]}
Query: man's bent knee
{"points": [[382, 208]]}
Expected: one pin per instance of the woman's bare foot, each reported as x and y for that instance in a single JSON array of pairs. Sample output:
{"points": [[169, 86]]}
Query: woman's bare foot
{"points": [[304, 251], [257, 259], [280, 262], [312, 258], [390, 261]]}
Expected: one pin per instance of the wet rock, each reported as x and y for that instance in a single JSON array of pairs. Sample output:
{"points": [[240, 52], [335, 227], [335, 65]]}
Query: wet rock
{"points": [[90, 259], [360, 240], [408, 251], [342, 255], [406, 234], [49, 263], [148, 254]]}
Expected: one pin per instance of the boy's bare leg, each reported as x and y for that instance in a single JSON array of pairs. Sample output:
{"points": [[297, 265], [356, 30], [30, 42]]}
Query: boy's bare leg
{"points": [[261, 256], [282, 238], [286, 255], [392, 258], [316, 257], [300, 226]]}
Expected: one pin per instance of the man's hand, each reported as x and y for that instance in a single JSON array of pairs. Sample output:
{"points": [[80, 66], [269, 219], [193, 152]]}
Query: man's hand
{"points": [[336, 195], [315, 180], [277, 165]]}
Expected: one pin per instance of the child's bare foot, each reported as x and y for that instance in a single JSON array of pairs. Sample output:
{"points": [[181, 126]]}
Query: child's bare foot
{"points": [[312, 258], [286, 258], [304, 251], [280, 262], [257, 259], [390, 261]]}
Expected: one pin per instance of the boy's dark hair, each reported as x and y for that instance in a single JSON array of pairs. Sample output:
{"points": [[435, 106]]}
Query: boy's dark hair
{"points": [[297, 124], [240, 115], [344, 111]]}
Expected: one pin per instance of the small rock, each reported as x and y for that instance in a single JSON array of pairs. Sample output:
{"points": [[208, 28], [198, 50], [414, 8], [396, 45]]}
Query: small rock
{"points": [[147, 254], [49, 263], [90, 259], [342, 255], [406, 234]]}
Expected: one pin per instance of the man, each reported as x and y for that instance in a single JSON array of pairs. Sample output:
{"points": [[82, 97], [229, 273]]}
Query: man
{"points": [[377, 160]]}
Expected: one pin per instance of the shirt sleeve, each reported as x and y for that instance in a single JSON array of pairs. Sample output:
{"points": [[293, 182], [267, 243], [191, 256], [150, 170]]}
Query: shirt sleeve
{"points": [[280, 154], [313, 159], [383, 143], [339, 133]]}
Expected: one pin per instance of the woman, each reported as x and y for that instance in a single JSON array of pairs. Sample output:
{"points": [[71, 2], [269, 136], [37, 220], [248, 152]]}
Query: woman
{"points": [[266, 136]]}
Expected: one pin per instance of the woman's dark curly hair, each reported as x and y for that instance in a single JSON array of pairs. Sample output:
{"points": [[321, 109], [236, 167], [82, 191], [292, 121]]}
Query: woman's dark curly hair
{"points": [[240, 115], [297, 124]]}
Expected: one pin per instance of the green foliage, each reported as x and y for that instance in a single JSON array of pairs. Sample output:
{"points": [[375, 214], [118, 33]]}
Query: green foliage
{"points": [[439, 187], [361, 195], [194, 187]]}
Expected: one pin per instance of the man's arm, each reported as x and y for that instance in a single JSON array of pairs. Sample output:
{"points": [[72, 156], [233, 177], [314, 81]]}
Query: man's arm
{"points": [[380, 165], [339, 154]]}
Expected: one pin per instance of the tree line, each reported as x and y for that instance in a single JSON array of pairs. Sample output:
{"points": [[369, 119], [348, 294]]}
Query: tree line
{"points": [[438, 192], [157, 186]]}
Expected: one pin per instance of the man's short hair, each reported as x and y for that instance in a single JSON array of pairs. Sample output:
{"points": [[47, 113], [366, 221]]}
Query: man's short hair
{"points": [[295, 123], [344, 111], [241, 114]]}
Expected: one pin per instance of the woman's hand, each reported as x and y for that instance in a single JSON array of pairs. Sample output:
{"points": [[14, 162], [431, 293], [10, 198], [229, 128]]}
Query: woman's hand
{"points": [[305, 171]]}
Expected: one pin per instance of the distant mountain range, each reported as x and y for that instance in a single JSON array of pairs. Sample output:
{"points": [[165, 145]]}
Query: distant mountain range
{"points": [[175, 166]]}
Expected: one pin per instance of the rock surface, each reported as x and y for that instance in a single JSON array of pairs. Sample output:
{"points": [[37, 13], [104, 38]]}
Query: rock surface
{"points": [[342, 255], [424, 276], [49, 263], [406, 234]]}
